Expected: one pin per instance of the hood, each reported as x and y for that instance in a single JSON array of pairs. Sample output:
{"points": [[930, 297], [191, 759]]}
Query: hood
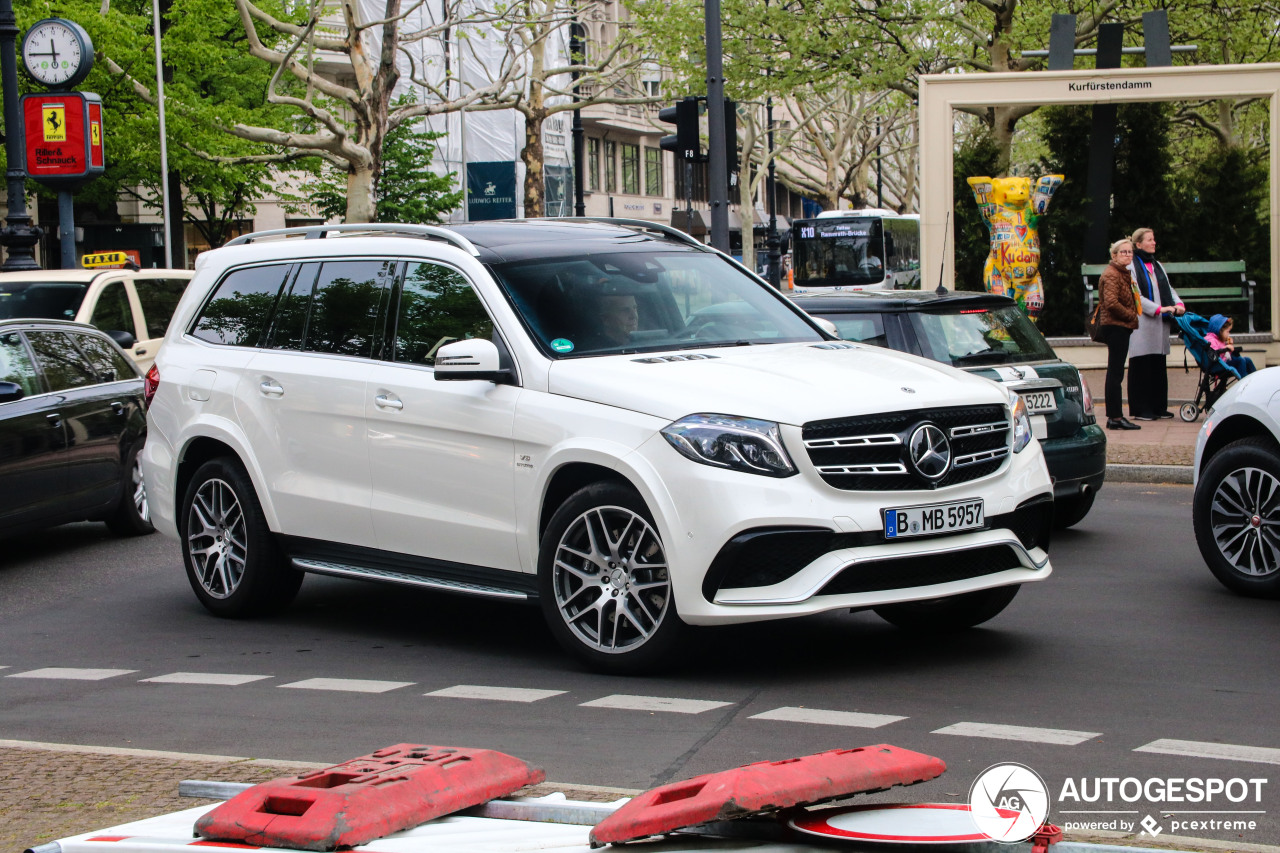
{"points": [[787, 383], [1216, 322]]}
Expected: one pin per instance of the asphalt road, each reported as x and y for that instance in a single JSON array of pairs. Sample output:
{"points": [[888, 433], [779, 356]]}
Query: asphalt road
{"points": [[1130, 652]]}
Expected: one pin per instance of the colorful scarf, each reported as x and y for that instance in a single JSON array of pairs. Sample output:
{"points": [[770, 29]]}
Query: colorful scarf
{"points": [[1140, 260]]}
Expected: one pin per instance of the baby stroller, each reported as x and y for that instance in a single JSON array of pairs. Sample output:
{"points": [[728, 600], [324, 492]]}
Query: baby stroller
{"points": [[1215, 375]]}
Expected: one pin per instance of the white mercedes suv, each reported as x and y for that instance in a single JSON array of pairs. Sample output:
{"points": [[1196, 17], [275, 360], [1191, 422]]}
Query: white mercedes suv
{"points": [[606, 418]]}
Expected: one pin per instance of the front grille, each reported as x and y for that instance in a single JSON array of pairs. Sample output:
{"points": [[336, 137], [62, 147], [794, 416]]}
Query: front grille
{"points": [[869, 453], [922, 570]]}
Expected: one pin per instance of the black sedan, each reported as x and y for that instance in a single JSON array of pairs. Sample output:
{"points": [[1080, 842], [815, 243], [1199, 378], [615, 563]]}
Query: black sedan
{"points": [[989, 336], [72, 425]]}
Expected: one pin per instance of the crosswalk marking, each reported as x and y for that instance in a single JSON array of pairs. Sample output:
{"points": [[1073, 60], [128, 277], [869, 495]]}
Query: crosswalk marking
{"points": [[1023, 733], [497, 694], [226, 678], [623, 702], [73, 673], [348, 685], [1226, 751], [828, 718]]}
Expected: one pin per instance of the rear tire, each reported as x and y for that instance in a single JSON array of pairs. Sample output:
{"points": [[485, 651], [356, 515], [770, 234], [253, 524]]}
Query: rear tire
{"points": [[604, 584], [1236, 513], [953, 613], [1070, 511], [132, 517], [232, 559]]}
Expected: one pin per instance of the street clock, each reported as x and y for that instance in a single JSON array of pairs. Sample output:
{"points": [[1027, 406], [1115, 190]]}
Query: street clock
{"points": [[57, 53]]}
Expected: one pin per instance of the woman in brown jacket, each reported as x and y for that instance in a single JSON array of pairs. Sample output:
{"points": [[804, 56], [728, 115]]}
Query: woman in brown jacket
{"points": [[1118, 317]]}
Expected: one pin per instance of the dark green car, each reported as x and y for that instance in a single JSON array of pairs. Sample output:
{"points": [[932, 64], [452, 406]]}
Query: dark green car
{"points": [[989, 336]]}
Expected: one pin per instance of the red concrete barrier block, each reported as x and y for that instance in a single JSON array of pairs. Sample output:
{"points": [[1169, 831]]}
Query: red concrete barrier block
{"points": [[357, 801], [765, 786]]}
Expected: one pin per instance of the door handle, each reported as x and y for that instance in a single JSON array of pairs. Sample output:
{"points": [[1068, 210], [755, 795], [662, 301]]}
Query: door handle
{"points": [[271, 389], [385, 401], [117, 407], [140, 352], [55, 420]]}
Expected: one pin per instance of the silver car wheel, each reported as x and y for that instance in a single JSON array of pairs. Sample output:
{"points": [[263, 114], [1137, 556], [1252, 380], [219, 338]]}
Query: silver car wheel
{"points": [[610, 578], [216, 538], [140, 504], [1245, 519]]}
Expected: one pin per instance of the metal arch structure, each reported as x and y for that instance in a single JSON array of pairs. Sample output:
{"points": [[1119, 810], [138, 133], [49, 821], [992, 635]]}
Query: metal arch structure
{"points": [[940, 94]]}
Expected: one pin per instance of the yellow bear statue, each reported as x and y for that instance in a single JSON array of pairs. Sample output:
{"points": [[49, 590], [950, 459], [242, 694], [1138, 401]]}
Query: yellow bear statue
{"points": [[1012, 212]]}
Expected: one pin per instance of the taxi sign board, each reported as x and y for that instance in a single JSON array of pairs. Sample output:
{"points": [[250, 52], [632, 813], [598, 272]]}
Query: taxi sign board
{"points": [[63, 135], [107, 259]]}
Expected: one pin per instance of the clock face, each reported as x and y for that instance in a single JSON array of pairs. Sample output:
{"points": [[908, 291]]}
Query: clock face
{"points": [[57, 53]]}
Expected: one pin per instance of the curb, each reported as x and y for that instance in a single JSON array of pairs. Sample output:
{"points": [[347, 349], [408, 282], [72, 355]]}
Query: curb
{"points": [[1175, 474]]}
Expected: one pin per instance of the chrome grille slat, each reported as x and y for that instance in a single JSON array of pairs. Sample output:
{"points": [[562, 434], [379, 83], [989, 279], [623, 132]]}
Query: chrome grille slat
{"points": [[978, 429], [895, 468], [856, 441], [984, 456]]}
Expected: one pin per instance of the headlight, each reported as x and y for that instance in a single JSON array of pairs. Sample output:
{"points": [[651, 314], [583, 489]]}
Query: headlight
{"points": [[1021, 422], [725, 441]]}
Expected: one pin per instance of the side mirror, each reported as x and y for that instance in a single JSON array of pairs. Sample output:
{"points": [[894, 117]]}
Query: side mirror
{"points": [[10, 391], [827, 326], [476, 358], [124, 340]]}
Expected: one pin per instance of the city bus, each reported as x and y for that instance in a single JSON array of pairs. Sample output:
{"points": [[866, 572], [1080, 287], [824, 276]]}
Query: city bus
{"points": [[869, 249]]}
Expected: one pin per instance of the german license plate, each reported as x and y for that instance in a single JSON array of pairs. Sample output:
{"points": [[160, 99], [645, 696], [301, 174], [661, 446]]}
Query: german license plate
{"points": [[1039, 402], [934, 518]]}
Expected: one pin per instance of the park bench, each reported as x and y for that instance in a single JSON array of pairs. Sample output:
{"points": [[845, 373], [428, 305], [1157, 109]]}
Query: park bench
{"points": [[1191, 294]]}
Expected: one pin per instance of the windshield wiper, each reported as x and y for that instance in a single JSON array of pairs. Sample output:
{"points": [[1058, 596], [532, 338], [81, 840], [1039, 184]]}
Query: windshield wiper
{"points": [[984, 355]]}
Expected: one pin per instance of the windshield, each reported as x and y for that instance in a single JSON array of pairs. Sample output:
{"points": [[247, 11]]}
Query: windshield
{"points": [[48, 300], [978, 336], [644, 301], [838, 252]]}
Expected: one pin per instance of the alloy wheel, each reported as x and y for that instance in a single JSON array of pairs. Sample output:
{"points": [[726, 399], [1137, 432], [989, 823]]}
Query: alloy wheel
{"points": [[612, 587], [1245, 519], [216, 538], [140, 504]]}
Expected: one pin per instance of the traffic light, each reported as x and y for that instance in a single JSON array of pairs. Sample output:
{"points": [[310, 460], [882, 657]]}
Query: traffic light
{"points": [[686, 142]]}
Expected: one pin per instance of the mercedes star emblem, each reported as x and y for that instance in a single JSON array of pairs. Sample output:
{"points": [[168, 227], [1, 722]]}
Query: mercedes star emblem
{"points": [[930, 452]]}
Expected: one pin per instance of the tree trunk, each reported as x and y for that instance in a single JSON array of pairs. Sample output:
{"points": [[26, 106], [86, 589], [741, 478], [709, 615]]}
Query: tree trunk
{"points": [[361, 203], [531, 156]]}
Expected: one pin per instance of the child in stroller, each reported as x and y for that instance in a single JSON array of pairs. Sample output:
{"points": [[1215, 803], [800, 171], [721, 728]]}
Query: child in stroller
{"points": [[1219, 338], [1216, 374]]}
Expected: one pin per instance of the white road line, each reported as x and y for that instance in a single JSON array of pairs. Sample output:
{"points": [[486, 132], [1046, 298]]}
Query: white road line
{"points": [[71, 673], [497, 694], [623, 702], [349, 685], [204, 678], [1022, 733], [1227, 751], [819, 717]]}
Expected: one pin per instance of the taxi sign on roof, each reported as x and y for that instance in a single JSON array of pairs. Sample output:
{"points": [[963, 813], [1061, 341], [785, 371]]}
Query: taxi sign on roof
{"points": [[104, 259]]}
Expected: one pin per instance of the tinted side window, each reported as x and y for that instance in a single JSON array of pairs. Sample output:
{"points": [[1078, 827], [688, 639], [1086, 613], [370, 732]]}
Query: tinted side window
{"points": [[348, 306], [290, 325], [238, 312], [16, 365], [159, 297], [63, 364], [865, 328], [112, 312], [112, 366], [437, 306]]}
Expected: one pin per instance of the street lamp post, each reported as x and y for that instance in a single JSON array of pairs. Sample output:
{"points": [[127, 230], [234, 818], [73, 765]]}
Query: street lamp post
{"points": [[775, 254], [575, 52], [19, 236]]}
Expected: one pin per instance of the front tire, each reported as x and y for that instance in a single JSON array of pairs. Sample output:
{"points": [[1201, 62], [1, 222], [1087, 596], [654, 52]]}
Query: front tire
{"points": [[604, 583], [1236, 513], [953, 613], [132, 516], [233, 561]]}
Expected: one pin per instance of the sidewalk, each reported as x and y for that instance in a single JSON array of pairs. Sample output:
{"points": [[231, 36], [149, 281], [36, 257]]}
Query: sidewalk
{"points": [[1162, 451]]}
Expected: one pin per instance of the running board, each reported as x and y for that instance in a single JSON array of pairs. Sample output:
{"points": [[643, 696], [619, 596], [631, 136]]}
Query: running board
{"points": [[341, 570]]}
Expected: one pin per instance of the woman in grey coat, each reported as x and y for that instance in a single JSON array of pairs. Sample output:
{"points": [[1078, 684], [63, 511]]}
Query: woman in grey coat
{"points": [[1148, 376]]}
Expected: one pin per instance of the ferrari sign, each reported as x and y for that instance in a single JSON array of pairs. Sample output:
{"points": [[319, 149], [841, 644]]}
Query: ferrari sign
{"points": [[63, 137]]}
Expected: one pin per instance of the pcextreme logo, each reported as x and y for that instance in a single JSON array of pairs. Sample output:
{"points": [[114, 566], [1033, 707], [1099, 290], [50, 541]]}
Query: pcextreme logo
{"points": [[1008, 802]]}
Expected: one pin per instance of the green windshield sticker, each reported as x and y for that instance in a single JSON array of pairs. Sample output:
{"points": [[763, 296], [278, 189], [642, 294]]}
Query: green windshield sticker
{"points": [[562, 345]]}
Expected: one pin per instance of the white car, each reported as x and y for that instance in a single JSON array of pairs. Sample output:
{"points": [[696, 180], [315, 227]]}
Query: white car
{"points": [[132, 306], [1236, 508], [555, 411]]}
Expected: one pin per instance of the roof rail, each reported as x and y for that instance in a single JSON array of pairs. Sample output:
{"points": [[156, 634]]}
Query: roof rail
{"points": [[320, 232], [645, 224]]}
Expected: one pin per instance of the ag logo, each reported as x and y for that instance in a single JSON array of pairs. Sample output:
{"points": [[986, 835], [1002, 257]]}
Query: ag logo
{"points": [[1008, 802]]}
